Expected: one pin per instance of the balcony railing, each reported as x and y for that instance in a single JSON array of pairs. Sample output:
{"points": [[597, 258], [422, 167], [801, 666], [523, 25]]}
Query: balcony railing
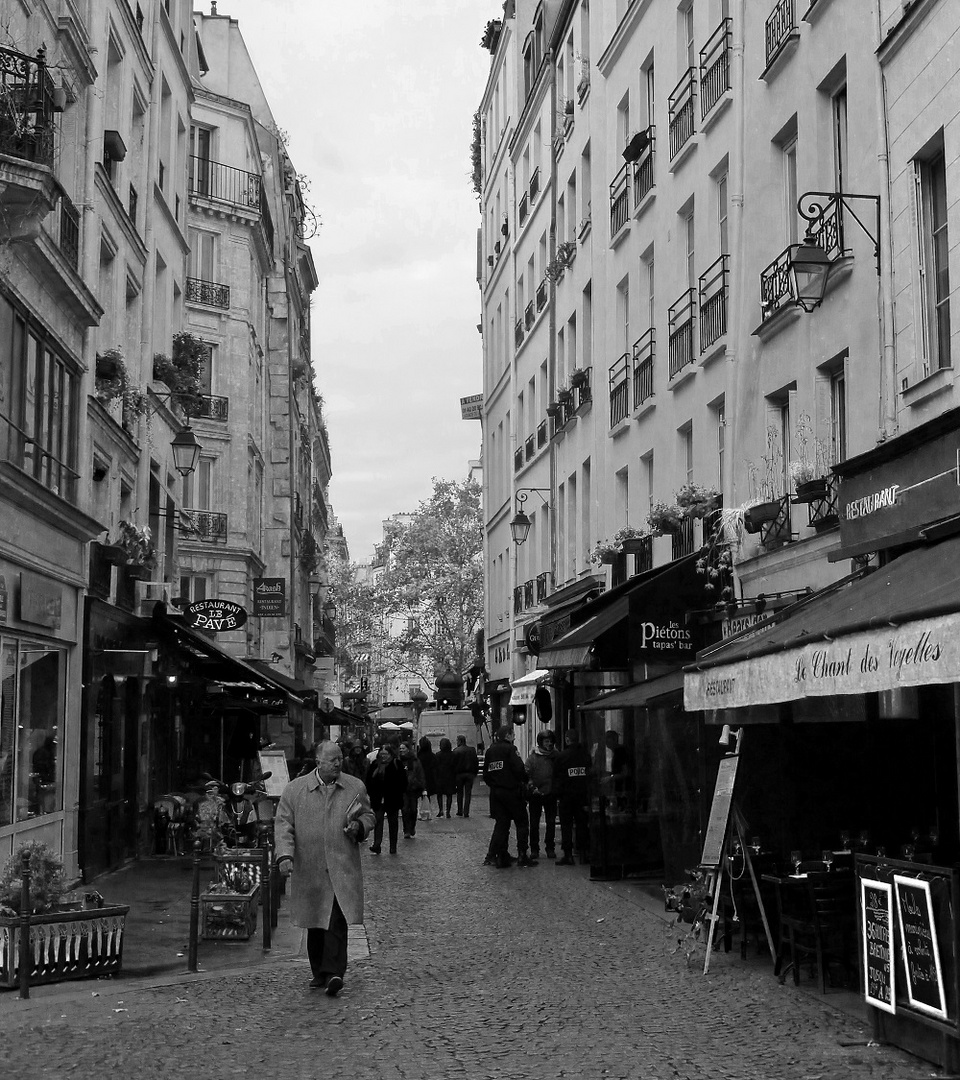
{"points": [[528, 593], [518, 333], [619, 390], [643, 559], [534, 183], [821, 513], [70, 231], [713, 303], [529, 315], [584, 389], [542, 295], [518, 600], [518, 458], [211, 408], [779, 27], [715, 67], [829, 230], [681, 112], [298, 509], [208, 292], [682, 539], [203, 525], [681, 332], [619, 200], [529, 446], [776, 288], [543, 586], [542, 436], [224, 184], [522, 209], [644, 353], [26, 107], [643, 168]]}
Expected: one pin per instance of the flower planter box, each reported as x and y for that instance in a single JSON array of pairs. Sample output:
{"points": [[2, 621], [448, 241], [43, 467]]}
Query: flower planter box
{"points": [[229, 916], [139, 572], [811, 490], [755, 517], [608, 558], [634, 546], [64, 945], [248, 861], [113, 554]]}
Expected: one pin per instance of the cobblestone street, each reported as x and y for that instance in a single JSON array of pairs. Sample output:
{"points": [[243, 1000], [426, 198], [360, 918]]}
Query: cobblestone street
{"points": [[471, 972]]}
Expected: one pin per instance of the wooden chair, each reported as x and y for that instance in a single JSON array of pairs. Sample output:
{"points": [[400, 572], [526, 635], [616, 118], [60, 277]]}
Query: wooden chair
{"points": [[817, 923]]}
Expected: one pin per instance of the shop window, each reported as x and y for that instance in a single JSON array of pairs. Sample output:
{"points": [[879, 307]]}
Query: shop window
{"points": [[31, 719]]}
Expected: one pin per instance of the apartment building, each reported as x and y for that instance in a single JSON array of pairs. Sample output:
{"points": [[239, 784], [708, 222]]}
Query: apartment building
{"points": [[156, 304]]}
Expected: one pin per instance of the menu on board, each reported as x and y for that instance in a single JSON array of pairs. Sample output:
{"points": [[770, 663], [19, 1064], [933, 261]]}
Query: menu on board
{"points": [[720, 812], [918, 943], [876, 926]]}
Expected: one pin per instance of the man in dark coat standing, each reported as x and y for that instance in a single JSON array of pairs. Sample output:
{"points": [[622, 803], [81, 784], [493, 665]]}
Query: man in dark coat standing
{"points": [[468, 765], [572, 769], [505, 775], [321, 819]]}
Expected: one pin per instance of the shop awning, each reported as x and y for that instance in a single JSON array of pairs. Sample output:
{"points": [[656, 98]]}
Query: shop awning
{"points": [[304, 694], [896, 627], [641, 693], [575, 648], [524, 688]]}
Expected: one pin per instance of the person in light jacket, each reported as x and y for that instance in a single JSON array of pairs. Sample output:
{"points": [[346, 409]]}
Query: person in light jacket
{"points": [[321, 819]]}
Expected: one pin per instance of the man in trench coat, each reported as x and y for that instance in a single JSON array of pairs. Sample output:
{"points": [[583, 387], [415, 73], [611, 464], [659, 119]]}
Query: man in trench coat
{"points": [[321, 819]]}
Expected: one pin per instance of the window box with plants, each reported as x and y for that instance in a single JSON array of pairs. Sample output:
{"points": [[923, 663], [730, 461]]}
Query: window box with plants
{"points": [[631, 540], [137, 542], [578, 377], [766, 485], [605, 553], [696, 501], [182, 371], [809, 470], [68, 938], [664, 518]]}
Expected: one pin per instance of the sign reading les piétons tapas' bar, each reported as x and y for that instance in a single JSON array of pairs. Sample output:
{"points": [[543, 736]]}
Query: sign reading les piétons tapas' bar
{"points": [[217, 616]]}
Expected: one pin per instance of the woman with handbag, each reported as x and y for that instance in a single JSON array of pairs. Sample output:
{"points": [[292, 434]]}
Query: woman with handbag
{"points": [[414, 789]]}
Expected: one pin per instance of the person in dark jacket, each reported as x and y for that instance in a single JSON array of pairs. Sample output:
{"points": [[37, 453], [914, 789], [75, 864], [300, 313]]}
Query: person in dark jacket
{"points": [[505, 775], [446, 775], [468, 765], [428, 761], [415, 785], [386, 785], [572, 770], [541, 796]]}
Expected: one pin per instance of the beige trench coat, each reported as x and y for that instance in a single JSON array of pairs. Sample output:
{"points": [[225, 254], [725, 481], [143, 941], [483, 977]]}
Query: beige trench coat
{"points": [[326, 863]]}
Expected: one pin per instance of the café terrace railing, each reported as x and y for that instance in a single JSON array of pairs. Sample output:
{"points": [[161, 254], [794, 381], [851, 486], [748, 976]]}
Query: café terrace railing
{"points": [[644, 354]]}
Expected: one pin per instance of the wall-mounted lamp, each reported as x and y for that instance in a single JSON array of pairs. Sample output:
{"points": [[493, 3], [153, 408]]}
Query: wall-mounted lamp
{"points": [[520, 525], [185, 445], [329, 609], [727, 733], [808, 263]]}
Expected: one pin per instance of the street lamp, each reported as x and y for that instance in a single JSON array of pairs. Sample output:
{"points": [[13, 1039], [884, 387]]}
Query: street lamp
{"points": [[329, 609], [520, 525], [808, 263], [186, 451]]}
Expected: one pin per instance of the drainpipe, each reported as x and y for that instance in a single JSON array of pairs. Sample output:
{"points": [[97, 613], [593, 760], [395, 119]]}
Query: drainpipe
{"points": [[887, 404], [552, 354]]}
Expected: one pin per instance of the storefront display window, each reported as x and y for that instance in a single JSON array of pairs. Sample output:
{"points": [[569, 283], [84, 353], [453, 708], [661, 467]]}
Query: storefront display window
{"points": [[31, 719]]}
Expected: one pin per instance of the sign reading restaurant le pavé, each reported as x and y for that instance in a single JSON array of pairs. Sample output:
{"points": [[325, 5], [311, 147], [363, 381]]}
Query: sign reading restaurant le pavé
{"points": [[217, 616]]}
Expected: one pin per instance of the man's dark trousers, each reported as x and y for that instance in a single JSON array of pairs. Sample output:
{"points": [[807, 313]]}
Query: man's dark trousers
{"points": [[464, 793], [574, 814], [507, 806], [327, 949]]}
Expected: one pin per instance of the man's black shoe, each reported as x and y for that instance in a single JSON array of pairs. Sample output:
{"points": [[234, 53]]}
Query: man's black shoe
{"points": [[526, 860], [319, 982], [489, 861], [566, 861], [334, 985], [551, 854], [504, 862]]}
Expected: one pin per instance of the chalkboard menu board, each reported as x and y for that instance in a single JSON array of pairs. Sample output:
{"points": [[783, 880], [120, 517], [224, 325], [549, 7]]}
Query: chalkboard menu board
{"points": [[918, 942], [876, 928], [720, 812]]}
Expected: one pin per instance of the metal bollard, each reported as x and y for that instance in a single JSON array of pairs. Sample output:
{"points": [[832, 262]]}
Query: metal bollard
{"points": [[194, 910], [25, 926], [265, 860], [274, 891]]}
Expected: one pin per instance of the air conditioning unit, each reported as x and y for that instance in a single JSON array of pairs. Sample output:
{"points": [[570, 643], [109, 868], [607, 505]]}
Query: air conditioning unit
{"points": [[149, 592]]}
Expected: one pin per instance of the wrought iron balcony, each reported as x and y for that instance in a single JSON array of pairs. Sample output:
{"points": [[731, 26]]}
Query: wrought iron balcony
{"points": [[298, 509], [224, 184], [211, 407], [713, 303], [523, 209], [584, 389], [681, 112], [518, 600], [619, 390], [776, 286], [683, 539], [211, 293], [643, 177], [543, 586], [529, 447], [643, 559], [534, 183], [680, 318], [203, 525], [26, 107], [518, 459], [69, 231], [644, 353], [518, 333], [528, 592], [715, 67], [542, 435], [529, 315], [619, 200], [780, 26], [542, 295], [823, 513], [778, 531]]}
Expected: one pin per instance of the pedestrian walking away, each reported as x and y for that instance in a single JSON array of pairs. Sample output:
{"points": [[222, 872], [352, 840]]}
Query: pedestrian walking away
{"points": [[541, 796], [428, 760], [572, 771], [321, 819], [468, 765], [386, 782], [446, 776], [414, 789], [504, 774]]}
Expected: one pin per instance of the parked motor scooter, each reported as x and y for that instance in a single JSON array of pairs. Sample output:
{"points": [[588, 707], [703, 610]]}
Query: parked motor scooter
{"points": [[246, 814]]}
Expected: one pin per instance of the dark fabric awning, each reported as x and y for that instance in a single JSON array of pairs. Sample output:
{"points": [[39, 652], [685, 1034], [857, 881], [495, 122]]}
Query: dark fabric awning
{"points": [[575, 648], [898, 626], [641, 693], [305, 694]]}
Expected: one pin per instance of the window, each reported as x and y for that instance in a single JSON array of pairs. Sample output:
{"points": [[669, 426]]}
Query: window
{"points": [[587, 326], [720, 414], [623, 316], [931, 181], [722, 214], [203, 255], [651, 279], [686, 452], [687, 42], [32, 691], [623, 121], [690, 255], [198, 486], [649, 84], [195, 587], [39, 403], [839, 109], [789, 152]]}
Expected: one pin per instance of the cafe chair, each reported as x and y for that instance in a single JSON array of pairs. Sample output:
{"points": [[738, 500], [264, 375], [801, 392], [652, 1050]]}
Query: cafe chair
{"points": [[817, 924]]}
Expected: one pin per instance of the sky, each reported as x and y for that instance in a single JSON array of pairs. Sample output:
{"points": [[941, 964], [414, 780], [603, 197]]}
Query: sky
{"points": [[378, 98]]}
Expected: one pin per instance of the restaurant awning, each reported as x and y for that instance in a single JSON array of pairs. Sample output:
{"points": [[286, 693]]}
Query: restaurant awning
{"points": [[304, 694], [524, 688], [896, 627], [641, 693]]}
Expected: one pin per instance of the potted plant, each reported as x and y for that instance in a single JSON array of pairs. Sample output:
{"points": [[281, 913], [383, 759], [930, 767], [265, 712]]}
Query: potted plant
{"points": [[578, 377], [664, 518], [808, 471], [69, 938], [766, 487], [182, 371], [564, 395], [605, 552], [115, 554], [554, 408], [697, 501], [138, 544], [110, 376], [630, 540]]}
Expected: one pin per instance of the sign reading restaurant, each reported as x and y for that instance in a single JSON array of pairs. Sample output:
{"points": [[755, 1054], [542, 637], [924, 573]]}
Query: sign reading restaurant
{"points": [[217, 616], [269, 597]]}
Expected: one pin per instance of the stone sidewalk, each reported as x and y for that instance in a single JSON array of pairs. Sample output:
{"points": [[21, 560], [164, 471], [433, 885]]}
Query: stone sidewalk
{"points": [[472, 972]]}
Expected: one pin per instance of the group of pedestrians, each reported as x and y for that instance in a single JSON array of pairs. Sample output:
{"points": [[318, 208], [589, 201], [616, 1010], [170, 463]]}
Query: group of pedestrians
{"points": [[549, 784]]}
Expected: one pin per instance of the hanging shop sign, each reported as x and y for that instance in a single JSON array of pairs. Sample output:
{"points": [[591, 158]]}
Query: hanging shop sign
{"points": [[269, 597], [217, 616], [918, 653], [876, 931], [471, 408]]}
